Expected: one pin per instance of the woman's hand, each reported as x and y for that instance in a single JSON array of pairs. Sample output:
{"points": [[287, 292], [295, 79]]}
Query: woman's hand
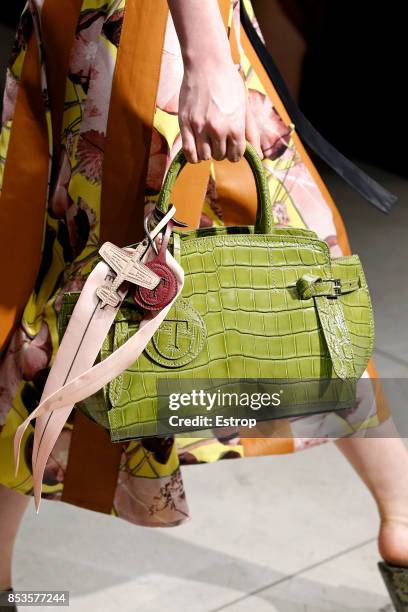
{"points": [[214, 114]]}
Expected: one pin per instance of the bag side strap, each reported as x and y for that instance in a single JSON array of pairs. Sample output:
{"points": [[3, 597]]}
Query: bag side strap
{"points": [[337, 335]]}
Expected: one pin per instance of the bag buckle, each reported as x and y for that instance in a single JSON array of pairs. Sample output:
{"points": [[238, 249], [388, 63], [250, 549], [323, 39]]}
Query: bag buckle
{"points": [[337, 287]]}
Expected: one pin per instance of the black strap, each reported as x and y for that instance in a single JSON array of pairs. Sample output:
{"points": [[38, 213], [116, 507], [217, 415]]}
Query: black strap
{"points": [[354, 176]]}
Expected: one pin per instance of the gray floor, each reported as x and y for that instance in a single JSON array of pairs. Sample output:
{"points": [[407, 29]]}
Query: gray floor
{"points": [[289, 533]]}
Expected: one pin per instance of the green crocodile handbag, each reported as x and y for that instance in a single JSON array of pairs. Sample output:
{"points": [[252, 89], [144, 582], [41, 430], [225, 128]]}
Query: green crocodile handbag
{"points": [[259, 304]]}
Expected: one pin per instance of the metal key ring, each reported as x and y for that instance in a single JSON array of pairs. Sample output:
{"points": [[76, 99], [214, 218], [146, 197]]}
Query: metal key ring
{"points": [[148, 235]]}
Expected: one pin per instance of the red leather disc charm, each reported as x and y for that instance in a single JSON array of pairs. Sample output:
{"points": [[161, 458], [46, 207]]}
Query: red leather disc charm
{"points": [[160, 296], [164, 293]]}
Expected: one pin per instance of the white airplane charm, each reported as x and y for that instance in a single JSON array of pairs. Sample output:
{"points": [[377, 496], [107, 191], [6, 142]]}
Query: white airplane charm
{"points": [[128, 267]]}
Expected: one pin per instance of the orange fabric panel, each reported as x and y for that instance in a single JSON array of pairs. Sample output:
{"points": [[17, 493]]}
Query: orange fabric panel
{"points": [[281, 35], [383, 407], [236, 191], [130, 120], [93, 464], [256, 447], [189, 193], [59, 21], [23, 198], [277, 439], [225, 7]]}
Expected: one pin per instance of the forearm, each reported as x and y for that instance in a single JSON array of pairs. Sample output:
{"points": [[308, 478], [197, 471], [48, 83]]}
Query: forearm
{"points": [[201, 32], [213, 104]]}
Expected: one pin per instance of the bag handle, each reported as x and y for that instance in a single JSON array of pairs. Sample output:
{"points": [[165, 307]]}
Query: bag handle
{"points": [[264, 222]]}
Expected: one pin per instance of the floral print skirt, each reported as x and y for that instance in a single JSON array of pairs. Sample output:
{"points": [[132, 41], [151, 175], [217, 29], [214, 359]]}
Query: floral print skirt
{"points": [[140, 481]]}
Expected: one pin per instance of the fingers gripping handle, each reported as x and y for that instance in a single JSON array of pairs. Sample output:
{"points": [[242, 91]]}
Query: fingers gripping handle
{"points": [[264, 219]]}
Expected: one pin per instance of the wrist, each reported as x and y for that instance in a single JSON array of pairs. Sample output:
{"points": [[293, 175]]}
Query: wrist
{"points": [[212, 58]]}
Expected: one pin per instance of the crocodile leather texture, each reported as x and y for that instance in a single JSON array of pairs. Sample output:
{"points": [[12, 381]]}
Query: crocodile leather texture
{"points": [[257, 303]]}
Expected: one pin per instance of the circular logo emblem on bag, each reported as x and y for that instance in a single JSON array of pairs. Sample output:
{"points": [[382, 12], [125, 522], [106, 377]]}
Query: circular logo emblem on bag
{"points": [[180, 337]]}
